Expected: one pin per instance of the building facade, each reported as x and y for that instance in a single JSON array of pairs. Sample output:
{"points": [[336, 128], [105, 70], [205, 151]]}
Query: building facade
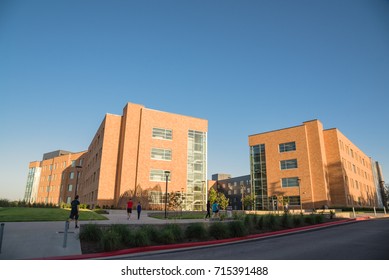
{"points": [[308, 167], [235, 189], [54, 179], [140, 154]]}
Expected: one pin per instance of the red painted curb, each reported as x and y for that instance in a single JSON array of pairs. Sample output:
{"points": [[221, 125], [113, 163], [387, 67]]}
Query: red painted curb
{"points": [[194, 244]]}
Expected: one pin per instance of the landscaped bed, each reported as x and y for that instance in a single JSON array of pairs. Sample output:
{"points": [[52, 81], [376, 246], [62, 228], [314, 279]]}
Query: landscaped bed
{"points": [[105, 238]]}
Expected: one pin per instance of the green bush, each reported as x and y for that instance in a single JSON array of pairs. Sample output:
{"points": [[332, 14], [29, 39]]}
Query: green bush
{"points": [[318, 218], [297, 220], [171, 233], [286, 221], [271, 221], [111, 240], [237, 229], [90, 232], [218, 230], [167, 236], [309, 219], [260, 223], [125, 234], [151, 233], [248, 221], [196, 231], [140, 238]]}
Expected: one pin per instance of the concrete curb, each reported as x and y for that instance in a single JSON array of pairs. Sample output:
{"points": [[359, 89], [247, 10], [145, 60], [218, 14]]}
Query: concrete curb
{"points": [[199, 244]]}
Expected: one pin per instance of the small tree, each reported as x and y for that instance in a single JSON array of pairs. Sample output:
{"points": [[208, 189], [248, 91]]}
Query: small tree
{"points": [[223, 201], [212, 196], [249, 201]]}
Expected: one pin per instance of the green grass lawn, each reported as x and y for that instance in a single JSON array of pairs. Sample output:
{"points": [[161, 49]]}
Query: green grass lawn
{"points": [[25, 214]]}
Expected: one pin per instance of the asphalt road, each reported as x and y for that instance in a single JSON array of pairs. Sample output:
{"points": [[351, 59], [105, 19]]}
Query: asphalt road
{"points": [[364, 240]]}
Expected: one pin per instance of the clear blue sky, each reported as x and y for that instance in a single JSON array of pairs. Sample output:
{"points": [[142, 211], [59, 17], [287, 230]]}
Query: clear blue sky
{"points": [[246, 66]]}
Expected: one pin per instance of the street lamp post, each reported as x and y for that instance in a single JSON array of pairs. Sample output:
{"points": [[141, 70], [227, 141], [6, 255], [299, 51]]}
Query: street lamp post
{"points": [[77, 174], [167, 173], [242, 191], [202, 195], [301, 200]]}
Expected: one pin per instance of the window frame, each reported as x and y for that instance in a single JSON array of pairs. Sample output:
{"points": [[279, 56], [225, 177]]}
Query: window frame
{"points": [[287, 147], [286, 164]]}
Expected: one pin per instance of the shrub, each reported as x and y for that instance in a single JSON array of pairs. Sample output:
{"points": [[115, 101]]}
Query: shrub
{"points": [[218, 230], [196, 231], [260, 223], [309, 219], [270, 222], [151, 233], [297, 220], [167, 236], [318, 218], [140, 238], [286, 221], [125, 234], [90, 232], [111, 240], [237, 229], [248, 222], [171, 233]]}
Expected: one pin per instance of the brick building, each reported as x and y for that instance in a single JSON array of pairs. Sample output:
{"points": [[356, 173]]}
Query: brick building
{"points": [[133, 155], [308, 167]]}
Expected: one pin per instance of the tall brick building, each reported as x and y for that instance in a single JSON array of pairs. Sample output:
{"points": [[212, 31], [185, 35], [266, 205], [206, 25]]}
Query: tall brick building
{"points": [[308, 167], [134, 154]]}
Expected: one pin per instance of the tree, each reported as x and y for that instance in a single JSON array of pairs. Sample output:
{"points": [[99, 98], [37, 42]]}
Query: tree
{"points": [[212, 196], [249, 201], [223, 201]]}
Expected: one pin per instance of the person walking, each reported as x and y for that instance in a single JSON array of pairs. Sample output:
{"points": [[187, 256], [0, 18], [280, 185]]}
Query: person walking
{"points": [[139, 209], [215, 209], [75, 209], [129, 208], [208, 210]]}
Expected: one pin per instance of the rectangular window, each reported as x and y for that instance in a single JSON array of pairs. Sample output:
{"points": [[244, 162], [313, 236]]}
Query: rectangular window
{"points": [[287, 147], [70, 188], [290, 182], [288, 164], [71, 175], [73, 163], [158, 175], [161, 133], [294, 200], [161, 154]]}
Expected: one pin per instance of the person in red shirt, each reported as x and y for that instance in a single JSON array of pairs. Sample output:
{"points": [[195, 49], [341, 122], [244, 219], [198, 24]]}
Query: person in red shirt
{"points": [[129, 208]]}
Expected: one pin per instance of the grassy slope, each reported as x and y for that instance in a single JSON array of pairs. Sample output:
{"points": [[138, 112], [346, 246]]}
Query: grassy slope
{"points": [[21, 214]]}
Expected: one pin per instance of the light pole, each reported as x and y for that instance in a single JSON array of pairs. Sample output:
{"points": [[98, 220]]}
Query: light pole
{"points": [[242, 191], [202, 195], [301, 201], [167, 173], [77, 174]]}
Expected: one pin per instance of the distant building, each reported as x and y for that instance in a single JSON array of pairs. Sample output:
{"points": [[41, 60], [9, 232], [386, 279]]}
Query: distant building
{"points": [[309, 167], [220, 176], [54, 179], [235, 189], [131, 155]]}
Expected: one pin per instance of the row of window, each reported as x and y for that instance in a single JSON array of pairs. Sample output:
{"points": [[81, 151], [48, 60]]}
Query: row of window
{"points": [[355, 169], [350, 152]]}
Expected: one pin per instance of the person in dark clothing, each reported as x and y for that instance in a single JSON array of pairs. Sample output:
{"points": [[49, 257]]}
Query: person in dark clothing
{"points": [[208, 210], [74, 212], [139, 209]]}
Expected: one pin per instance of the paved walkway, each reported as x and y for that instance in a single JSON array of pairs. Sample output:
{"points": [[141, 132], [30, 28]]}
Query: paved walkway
{"points": [[37, 240]]}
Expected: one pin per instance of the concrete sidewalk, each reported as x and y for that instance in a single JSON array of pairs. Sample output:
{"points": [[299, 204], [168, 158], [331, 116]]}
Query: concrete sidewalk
{"points": [[40, 240]]}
